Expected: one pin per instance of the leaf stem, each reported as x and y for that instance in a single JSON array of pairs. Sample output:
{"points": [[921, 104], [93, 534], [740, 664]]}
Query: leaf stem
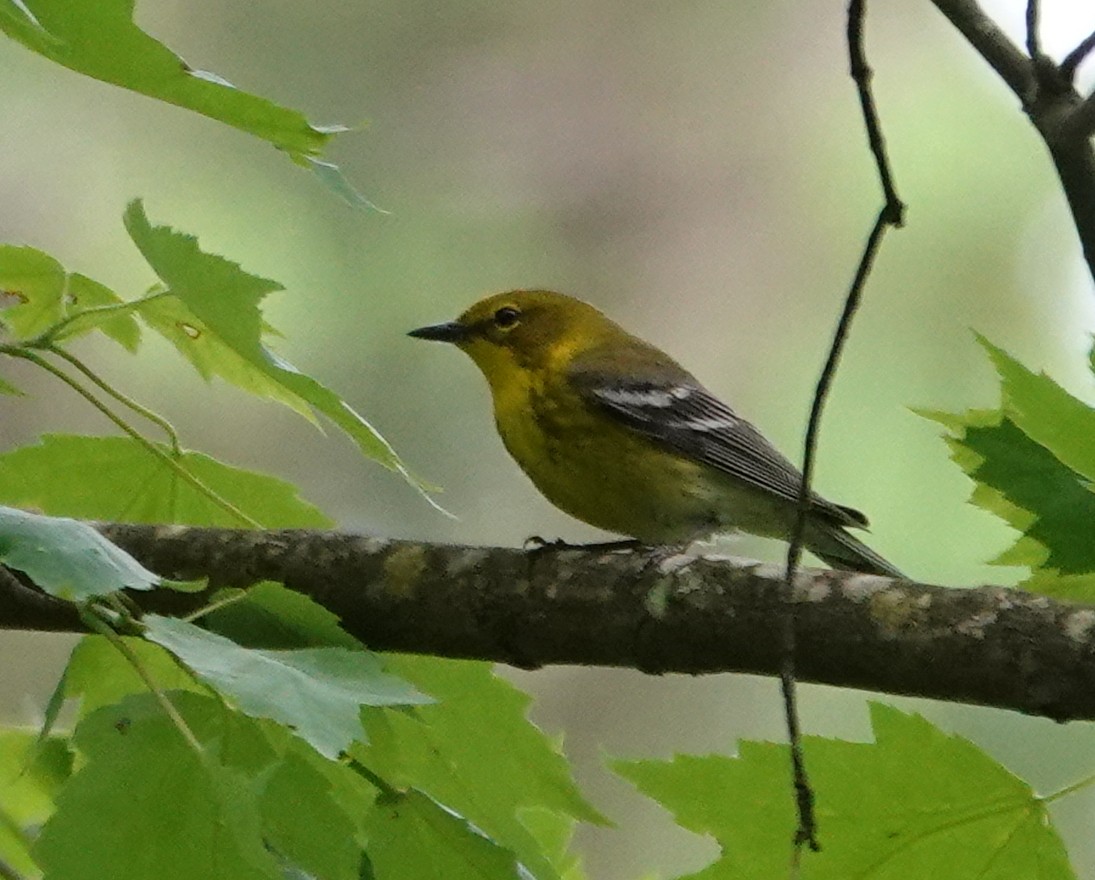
{"points": [[123, 399], [224, 503], [215, 606], [1068, 789], [94, 622], [373, 779], [46, 338]]}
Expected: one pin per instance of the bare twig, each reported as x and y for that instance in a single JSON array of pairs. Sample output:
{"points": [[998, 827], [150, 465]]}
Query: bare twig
{"points": [[862, 75], [1064, 120], [1076, 57], [1034, 49], [991, 43], [891, 214]]}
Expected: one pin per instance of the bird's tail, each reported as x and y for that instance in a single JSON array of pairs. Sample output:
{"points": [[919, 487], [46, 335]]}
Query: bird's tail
{"points": [[844, 551]]}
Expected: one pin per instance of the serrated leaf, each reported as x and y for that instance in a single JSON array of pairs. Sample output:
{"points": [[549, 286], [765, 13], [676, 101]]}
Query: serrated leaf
{"points": [[67, 558], [411, 835], [1046, 413], [1032, 462], [1024, 484], [84, 297], [211, 356], [98, 675], [34, 284], [555, 831], [318, 692], [225, 300], [915, 803], [43, 293], [118, 479], [146, 804], [476, 752], [98, 38], [268, 615], [1072, 587]]}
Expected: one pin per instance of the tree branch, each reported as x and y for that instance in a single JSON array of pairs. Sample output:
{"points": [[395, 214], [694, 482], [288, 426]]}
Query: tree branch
{"points": [[991, 43], [1065, 121], [990, 646]]}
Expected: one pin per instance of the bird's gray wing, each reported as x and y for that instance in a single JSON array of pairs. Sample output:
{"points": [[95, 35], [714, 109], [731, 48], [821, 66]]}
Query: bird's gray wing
{"points": [[678, 412]]}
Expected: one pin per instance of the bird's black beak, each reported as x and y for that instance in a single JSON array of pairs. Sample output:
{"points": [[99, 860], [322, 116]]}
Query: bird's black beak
{"points": [[448, 332]]}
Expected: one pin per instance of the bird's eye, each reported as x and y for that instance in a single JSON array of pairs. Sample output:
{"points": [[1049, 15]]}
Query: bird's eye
{"points": [[507, 316]]}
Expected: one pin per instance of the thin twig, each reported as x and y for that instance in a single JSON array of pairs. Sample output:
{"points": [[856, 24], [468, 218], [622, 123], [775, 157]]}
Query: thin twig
{"points": [[1076, 57], [153, 448], [376, 781], [156, 419], [862, 75], [891, 214], [1034, 49], [1064, 120], [89, 616]]}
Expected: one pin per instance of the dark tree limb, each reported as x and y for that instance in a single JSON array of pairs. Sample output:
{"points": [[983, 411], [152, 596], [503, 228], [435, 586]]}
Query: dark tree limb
{"points": [[1064, 119], [990, 646]]}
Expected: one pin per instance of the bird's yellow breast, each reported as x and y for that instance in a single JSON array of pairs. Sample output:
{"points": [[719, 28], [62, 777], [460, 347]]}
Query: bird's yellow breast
{"points": [[595, 470]]}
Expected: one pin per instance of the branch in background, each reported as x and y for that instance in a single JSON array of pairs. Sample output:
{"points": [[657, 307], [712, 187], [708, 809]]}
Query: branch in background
{"points": [[991, 43], [1076, 57], [990, 646], [1064, 119]]}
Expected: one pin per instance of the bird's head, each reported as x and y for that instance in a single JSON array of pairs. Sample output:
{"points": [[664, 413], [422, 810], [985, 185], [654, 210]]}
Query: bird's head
{"points": [[523, 328]]}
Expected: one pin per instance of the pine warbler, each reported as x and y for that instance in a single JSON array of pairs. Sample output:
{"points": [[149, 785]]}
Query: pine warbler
{"points": [[618, 434]]}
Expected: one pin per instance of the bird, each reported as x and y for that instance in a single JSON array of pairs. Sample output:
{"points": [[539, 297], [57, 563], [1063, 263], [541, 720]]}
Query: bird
{"points": [[617, 434]]}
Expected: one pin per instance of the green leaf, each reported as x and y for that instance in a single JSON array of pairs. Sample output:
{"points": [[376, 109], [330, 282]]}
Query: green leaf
{"points": [[318, 692], [8, 388], [98, 675], [94, 305], [36, 282], [45, 294], [410, 835], [555, 831], [211, 356], [99, 39], [331, 176], [268, 615], [1046, 413], [476, 752], [66, 558], [1071, 587], [1024, 484], [324, 843], [118, 479], [1033, 462], [31, 773], [224, 301], [915, 803], [145, 804]]}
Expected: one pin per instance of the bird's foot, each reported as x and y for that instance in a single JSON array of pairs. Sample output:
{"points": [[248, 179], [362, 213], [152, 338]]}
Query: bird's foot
{"points": [[536, 544]]}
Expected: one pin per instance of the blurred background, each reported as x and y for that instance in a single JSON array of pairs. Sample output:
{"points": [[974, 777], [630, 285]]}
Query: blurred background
{"points": [[699, 171]]}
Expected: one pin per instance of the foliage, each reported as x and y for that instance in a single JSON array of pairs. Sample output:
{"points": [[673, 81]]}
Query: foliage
{"points": [[260, 740]]}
